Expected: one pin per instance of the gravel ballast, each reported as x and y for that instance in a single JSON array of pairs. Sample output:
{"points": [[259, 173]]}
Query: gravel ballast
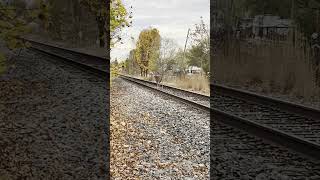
{"points": [[237, 155], [162, 139], [154, 137], [53, 120]]}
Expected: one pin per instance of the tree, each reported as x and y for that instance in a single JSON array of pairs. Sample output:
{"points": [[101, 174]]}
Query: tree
{"points": [[11, 26], [131, 63], [118, 18], [201, 35], [19, 5], [147, 49], [58, 15], [42, 13], [99, 9], [274, 7], [166, 60], [199, 54], [306, 14], [65, 16], [70, 21], [181, 63]]}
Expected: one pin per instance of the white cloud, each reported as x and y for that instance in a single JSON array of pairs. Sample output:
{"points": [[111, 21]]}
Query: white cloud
{"points": [[171, 17]]}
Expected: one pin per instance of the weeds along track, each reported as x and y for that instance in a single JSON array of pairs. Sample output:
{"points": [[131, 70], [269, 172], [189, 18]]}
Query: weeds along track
{"points": [[290, 125], [281, 122]]}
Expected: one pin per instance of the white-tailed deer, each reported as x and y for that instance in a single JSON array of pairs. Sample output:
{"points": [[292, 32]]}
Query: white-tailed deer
{"points": [[158, 79]]}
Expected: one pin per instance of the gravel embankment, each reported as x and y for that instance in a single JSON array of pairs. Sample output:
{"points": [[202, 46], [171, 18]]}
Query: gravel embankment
{"points": [[154, 137], [53, 121], [237, 155]]}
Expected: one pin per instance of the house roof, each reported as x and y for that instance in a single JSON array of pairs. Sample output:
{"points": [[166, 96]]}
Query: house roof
{"points": [[194, 68], [271, 21]]}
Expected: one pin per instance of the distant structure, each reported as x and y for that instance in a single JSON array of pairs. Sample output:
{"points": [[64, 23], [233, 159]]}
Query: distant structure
{"points": [[245, 26], [264, 27], [193, 70], [269, 25]]}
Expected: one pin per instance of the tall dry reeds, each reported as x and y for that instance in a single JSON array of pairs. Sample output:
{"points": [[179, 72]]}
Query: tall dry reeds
{"points": [[195, 82], [274, 66]]}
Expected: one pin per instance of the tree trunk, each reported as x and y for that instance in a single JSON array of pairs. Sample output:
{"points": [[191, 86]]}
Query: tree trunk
{"points": [[101, 24], [75, 14]]}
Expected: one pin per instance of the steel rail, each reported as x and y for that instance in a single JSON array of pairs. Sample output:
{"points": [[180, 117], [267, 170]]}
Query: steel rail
{"points": [[290, 107], [295, 143], [102, 73], [282, 138]]}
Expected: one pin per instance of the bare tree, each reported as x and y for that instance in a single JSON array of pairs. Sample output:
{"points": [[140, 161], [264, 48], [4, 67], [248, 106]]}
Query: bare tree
{"points": [[201, 35], [168, 50], [199, 54]]}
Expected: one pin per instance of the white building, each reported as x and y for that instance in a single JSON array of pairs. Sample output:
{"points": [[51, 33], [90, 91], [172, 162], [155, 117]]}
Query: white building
{"points": [[194, 70]]}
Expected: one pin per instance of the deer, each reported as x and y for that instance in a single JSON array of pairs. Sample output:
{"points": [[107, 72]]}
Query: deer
{"points": [[158, 79]]}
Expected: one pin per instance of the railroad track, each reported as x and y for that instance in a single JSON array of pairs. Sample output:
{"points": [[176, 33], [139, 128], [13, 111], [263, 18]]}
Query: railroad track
{"points": [[255, 114], [198, 100], [91, 63], [293, 126], [296, 126], [227, 141]]}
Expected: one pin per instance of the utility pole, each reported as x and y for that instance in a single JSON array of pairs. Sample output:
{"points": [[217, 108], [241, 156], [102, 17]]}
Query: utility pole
{"points": [[185, 46]]}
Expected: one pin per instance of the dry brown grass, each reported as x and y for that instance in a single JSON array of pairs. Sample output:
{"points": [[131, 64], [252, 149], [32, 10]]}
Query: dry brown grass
{"points": [[197, 83], [273, 66], [149, 78]]}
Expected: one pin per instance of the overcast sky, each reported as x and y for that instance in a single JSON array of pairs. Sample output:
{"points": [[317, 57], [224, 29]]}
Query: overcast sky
{"points": [[171, 17]]}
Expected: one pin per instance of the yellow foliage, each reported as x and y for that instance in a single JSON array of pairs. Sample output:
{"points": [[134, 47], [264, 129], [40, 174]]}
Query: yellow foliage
{"points": [[148, 47], [12, 27]]}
